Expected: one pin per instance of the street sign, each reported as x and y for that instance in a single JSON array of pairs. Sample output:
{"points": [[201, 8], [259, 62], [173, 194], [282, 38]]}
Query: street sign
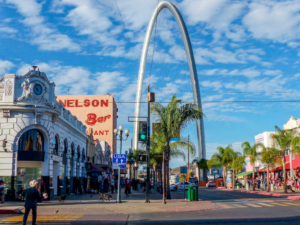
{"points": [[183, 169], [118, 166], [119, 159]]}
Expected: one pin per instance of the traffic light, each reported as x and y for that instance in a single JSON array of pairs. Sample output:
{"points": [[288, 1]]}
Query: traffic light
{"points": [[143, 131]]}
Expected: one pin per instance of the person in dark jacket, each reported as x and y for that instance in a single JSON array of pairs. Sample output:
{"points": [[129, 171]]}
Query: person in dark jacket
{"points": [[31, 197]]}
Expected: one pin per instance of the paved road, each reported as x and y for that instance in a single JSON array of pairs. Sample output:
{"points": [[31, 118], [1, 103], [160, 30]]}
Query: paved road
{"points": [[234, 208]]}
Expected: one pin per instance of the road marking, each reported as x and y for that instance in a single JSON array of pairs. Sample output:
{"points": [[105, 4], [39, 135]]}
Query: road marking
{"points": [[238, 206], [281, 204], [289, 203], [253, 205], [264, 204], [225, 206], [44, 218]]}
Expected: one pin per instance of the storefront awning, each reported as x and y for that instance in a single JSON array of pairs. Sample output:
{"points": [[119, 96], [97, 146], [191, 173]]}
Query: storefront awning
{"points": [[97, 167], [244, 174]]}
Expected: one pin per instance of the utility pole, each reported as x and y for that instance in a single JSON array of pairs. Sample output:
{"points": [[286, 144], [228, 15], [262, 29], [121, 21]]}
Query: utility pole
{"points": [[148, 150]]}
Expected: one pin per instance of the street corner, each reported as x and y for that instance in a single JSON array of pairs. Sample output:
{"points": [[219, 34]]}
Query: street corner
{"points": [[11, 210], [190, 206]]}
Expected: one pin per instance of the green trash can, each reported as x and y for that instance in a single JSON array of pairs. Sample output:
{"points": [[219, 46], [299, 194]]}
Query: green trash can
{"points": [[192, 193]]}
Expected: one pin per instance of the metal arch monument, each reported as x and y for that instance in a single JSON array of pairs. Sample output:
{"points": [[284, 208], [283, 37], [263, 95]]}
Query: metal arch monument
{"points": [[192, 68]]}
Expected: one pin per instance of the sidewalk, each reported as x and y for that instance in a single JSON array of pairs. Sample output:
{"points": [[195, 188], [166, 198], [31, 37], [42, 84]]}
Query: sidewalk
{"points": [[90, 204], [275, 193]]}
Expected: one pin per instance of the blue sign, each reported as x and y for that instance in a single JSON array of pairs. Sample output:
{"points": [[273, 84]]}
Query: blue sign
{"points": [[120, 159]]}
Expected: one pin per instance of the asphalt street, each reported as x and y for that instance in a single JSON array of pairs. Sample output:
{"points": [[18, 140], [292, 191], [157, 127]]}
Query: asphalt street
{"points": [[233, 208]]}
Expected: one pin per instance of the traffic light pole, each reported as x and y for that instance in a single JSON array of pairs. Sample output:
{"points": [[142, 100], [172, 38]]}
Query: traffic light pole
{"points": [[148, 152]]}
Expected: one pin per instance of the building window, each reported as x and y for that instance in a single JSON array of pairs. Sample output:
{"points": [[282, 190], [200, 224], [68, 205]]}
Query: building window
{"points": [[72, 150], [83, 155], [56, 145], [78, 154], [31, 140], [65, 147]]}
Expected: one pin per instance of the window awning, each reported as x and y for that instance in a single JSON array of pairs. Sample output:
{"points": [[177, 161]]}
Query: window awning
{"points": [[244, 174], [97, 167]]}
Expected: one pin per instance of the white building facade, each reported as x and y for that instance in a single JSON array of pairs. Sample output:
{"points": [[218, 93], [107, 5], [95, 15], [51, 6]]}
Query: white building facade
{"points": [[38, 136]]}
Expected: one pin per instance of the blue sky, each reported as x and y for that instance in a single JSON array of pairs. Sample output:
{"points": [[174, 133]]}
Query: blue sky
{"points": [[244, 50]]}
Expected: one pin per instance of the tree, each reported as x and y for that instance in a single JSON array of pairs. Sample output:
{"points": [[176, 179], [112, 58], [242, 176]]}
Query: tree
{"points": [[236, 164], [172, 119], [251, 152], [201, 164], [268, 157], [285, 140], [221, 159]]}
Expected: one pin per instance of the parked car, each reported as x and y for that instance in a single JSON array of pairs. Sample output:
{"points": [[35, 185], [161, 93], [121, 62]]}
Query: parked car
{"points": [[180, 186], [210, 184]]}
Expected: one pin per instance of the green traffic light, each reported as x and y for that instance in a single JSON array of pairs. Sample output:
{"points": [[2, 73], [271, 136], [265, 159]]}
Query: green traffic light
{"points": [[143, 137]]}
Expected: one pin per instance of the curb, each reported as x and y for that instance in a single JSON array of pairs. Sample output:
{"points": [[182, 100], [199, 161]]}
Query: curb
{"points": [[10, 211], [264, 193]]}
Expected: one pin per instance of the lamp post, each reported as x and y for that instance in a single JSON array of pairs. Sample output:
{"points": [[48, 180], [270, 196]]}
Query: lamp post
{"points": [[120, 133]]}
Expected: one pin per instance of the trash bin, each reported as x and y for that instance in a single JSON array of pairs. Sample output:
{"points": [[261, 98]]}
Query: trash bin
{"points": [[237, 185], [221, 184], [192, 193]]}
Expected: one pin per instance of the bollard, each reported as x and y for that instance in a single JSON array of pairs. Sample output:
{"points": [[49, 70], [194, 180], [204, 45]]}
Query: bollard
{"points": [[247, 187], [272, 187]]}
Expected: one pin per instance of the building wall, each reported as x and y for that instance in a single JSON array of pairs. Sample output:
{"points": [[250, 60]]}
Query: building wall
{"points": [[22, 110], [95, 111]]}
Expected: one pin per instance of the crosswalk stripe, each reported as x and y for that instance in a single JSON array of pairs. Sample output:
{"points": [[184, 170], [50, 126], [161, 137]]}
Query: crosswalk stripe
{"points": [[289, 203], [45, 218], [253, 205], [225, 206], [264, 204], [238, 206], [281, 204]]}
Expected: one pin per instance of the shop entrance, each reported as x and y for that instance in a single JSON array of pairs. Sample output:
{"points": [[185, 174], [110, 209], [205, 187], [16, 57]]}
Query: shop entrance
{"points": [[27, 171], [55, 177]]}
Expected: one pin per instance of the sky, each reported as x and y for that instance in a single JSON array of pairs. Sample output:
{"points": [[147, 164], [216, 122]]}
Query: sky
{"points": [[244, 51]]}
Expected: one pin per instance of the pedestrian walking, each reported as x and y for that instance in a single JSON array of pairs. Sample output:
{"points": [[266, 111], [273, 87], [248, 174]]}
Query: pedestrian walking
{"points": [[112, 185], [31, 195], [127, 186], [116, 185], [1, 190]]}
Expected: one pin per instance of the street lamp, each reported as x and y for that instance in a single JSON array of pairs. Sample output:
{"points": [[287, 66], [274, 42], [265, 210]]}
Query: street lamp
{"points": [[120, 133]]}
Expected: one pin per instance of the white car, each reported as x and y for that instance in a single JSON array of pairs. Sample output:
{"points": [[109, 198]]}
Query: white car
{"points": [[210, 184], [180, 186]]}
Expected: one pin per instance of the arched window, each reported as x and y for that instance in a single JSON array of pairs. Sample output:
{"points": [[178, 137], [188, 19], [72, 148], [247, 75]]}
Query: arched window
{"points": [[78, 153], [65, 147], [32, 140], [83, 155], [72, 149], [56, 145]]}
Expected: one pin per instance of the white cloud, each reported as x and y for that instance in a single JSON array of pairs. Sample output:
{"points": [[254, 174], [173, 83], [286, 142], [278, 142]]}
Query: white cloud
{"points": [[216, 15], [274, 20], [5, 67], [215, 84], [41, 34], [248, 72], [108, 81]]}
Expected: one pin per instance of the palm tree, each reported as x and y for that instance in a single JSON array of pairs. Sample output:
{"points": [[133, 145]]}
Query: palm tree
{"points": [[236, 164], [251, 151], [268, 157], [172, 119], [285, 140], [201, 164], [221, 159]]}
